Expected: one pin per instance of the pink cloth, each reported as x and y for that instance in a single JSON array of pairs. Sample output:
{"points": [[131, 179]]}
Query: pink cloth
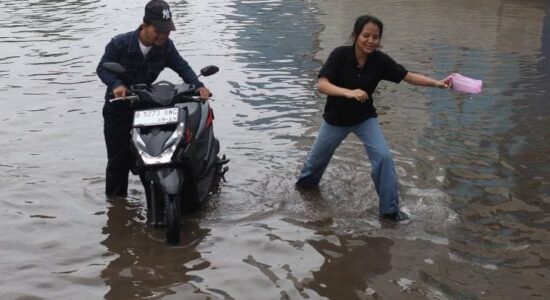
{"points": [[464, 84]]}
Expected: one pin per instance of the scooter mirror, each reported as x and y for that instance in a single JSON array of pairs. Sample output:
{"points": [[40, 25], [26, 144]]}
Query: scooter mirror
{"points": [[114, 67], [209, 70]]}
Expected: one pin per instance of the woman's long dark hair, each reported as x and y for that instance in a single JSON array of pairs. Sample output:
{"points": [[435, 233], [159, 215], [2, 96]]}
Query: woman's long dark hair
{"points": [[361, 22]]}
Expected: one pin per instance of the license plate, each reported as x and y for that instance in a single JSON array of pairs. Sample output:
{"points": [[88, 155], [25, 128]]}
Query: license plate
{"points": [[152, 117]]}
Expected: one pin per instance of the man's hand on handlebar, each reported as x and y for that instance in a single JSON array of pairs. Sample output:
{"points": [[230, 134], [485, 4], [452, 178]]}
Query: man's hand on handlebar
{"points": [[120, 91], [203, 93]]}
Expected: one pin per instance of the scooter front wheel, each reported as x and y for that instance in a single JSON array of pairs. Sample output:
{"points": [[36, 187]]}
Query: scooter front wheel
{"points": [[173, 216]]}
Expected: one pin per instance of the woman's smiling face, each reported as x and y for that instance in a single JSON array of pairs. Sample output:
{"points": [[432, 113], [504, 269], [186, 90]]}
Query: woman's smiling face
{"points": [[369, 38]]}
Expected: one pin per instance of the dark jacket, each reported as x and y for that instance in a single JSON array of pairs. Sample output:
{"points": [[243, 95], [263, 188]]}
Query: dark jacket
{"points": [[124, 49]]}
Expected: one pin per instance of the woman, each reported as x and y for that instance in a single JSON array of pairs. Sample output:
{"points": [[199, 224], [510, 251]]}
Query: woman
{"points": [[348, 78]]}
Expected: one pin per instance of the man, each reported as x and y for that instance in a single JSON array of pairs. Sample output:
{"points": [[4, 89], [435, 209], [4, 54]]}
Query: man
{"points": [[144, 53]]}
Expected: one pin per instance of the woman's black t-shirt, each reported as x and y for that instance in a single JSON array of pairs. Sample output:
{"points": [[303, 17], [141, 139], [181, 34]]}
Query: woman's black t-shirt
{"points": [[342, 69]]}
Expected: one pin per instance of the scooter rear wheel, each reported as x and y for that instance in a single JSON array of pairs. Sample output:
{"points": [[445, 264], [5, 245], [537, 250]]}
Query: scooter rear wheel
{"points": [[173, 216]]}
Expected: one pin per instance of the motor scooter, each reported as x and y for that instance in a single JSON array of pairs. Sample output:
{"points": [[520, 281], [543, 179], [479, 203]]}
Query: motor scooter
{"points": [[175, 148]]}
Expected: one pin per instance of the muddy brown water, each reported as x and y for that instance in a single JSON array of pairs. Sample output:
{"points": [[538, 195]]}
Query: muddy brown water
{"points": [[474, 169]]}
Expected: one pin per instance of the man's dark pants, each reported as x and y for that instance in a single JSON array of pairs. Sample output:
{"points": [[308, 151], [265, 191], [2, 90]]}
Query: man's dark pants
{"points": [[117, 123]]}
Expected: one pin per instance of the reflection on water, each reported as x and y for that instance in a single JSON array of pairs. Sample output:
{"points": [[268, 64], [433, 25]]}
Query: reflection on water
{"points": [[139, 262], [350, 265], [473, 168]]}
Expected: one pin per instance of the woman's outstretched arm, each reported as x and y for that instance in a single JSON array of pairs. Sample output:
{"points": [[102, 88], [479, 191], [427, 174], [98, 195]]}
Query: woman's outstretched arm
{"points": [[421, 80]]}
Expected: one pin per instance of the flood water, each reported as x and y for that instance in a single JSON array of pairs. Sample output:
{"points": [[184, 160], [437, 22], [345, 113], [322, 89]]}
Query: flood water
{"points": [[474, 169]]}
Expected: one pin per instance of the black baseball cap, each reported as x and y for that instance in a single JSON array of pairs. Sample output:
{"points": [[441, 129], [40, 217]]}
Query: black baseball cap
{"points": [[157, 12]]}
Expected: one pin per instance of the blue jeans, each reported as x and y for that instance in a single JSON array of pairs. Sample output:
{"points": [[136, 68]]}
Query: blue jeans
{"points": [[383, 169]]}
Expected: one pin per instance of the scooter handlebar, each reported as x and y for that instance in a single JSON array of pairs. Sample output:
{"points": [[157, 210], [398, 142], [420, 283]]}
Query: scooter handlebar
{"points": [[126, 98], [193, 98]]}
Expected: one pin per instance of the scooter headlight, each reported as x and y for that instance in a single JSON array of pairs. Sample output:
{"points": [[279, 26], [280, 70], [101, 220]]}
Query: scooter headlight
{"points": [[168, 148], [164, 158]]}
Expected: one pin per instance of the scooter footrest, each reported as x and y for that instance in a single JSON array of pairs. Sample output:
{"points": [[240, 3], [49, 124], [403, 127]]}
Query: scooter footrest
{"points": [[222, 161]]}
